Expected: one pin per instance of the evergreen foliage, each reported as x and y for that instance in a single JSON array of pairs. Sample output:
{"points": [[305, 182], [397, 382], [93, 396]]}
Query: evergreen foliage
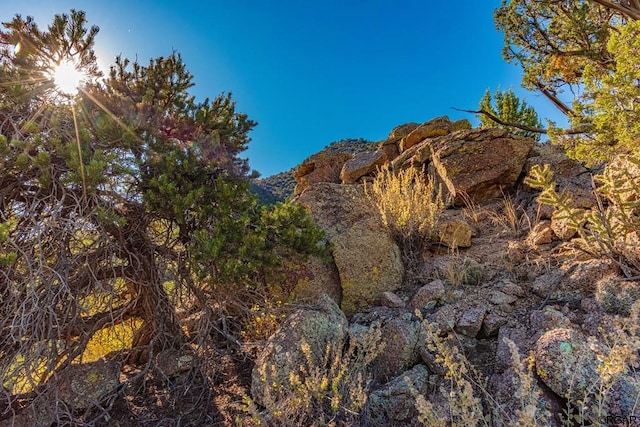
{"points": [[509, 108], [275, 188], [581, 55], [125, 201]]}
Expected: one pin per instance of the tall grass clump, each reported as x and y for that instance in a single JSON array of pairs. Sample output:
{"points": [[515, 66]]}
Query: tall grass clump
{"points": [[409, 203]]}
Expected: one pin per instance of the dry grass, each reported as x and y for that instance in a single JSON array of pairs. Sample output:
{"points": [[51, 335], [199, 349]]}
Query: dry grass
{"points": [[469, 402], [460, 271], [409, 203], [329, 392]]}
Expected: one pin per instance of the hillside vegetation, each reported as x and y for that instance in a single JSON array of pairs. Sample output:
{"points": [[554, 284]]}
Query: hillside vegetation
{"points": [[444, 276]]}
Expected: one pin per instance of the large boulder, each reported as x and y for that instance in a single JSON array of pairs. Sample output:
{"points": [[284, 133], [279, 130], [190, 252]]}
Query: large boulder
{"points": [[302, 340], [367, 258], [478, 165], [433, 128], [401, 339], [314, 278], [574, 367], [400, 131], [319, 168], [417, 156], [472, 165], [391, 145], [362, 164]]}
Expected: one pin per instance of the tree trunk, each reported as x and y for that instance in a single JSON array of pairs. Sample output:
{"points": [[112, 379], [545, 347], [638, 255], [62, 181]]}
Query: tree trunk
{"points": [[160, 328]]}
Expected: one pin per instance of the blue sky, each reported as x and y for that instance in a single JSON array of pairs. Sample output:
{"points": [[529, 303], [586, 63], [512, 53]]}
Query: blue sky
{"points": [[308, 71]]}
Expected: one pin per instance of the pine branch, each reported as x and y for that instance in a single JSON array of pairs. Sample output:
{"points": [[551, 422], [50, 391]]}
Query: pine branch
{"points": [[499, 121], [550, 95]]}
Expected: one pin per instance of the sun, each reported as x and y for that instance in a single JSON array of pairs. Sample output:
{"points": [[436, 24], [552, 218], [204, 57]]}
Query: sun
{"points": [[67, 77]]}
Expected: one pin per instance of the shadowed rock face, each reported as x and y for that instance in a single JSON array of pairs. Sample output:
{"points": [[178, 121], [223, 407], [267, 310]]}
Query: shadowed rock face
{"points": [[394, 404]]}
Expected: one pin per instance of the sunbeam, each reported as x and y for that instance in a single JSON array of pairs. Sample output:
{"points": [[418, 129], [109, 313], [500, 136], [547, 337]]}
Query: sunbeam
{"points": [[75, 126], [110, 113]]}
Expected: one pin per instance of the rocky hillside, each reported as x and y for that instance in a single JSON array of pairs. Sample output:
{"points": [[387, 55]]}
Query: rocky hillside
{"points": [[507, 317], [280, 187], [507, 313]]}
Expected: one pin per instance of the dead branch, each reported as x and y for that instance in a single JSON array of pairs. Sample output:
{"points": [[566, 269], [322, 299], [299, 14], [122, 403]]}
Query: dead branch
{"points": [[630, 9], [499, 121]]}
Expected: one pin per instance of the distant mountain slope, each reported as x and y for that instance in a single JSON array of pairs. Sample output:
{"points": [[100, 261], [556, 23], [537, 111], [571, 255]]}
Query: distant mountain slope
{"points": [[350, 145], [273, 189], [279, 187]]}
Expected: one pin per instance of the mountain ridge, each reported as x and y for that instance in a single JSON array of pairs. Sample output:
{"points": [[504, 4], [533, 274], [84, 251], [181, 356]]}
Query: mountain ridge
{"points": [[280, 187]]}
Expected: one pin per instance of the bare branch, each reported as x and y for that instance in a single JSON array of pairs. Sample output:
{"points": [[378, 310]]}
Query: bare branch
{"points": [[499, 121], [627, 8], [554, 99]]}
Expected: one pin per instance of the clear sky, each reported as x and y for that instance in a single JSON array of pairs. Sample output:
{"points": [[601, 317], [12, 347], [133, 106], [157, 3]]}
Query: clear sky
{"points": [[311, 72]]}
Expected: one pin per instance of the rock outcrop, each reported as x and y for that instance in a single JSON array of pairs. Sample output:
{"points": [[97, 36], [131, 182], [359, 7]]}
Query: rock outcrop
{"points": [[494, 286], [402, 339], [314, 278], [439, 126], [351, 224], [395, 402], [320, 168], [479, 165], [576, 368], [362, 164], [302, 338]]}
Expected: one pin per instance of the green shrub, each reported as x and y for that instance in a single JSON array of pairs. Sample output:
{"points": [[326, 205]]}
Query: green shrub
{"points": [[612, 227]]}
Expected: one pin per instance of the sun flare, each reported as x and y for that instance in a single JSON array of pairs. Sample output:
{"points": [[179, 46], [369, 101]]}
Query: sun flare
{"points": [[67, 77]]}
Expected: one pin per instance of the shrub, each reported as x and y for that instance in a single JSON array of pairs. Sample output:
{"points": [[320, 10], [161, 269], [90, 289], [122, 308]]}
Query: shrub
{"points": [[329, 392], [123, 206], [465, 272], [510, 109], [612, 227], [409, 203], [470, 402]]}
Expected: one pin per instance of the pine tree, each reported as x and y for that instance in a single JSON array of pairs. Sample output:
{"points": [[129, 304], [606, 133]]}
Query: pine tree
{"points": [[509, 109], [581, 56], [124, 201]]}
